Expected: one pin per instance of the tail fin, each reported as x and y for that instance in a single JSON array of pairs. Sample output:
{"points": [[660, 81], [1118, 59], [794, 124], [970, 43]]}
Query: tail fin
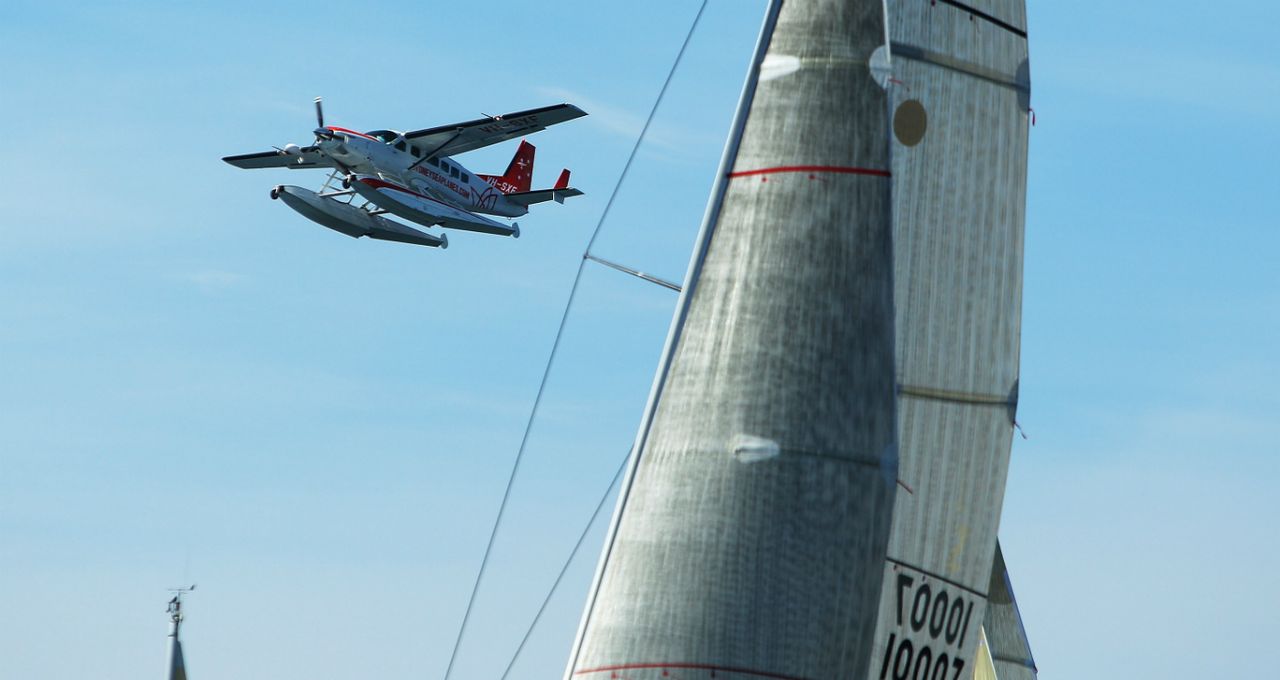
{"points": [[519, 175], [563, 182]]}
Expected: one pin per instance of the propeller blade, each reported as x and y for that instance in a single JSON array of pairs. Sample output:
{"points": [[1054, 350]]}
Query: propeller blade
{"points": [[319, 113]]}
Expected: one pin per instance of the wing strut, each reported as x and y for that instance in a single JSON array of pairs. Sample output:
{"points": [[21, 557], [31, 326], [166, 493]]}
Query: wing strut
{"points": [[425, 156]]}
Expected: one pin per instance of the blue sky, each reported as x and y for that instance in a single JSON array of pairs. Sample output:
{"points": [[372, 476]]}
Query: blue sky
{"points": [[197, 384]]}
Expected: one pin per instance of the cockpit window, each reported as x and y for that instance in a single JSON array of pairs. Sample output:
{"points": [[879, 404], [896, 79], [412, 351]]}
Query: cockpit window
{"points": [[415, 150], [384, 136], [401, 146]]}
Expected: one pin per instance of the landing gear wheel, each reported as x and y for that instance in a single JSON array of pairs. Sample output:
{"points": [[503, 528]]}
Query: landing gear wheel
{"points": [[275, 193]]}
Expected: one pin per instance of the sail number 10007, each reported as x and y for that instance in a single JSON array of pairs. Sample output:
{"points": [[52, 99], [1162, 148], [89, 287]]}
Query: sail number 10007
{"points": [[932, 626]]}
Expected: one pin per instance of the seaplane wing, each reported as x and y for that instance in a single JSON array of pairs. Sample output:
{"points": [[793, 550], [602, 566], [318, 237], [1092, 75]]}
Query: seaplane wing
{"points": [[451, 140], [294, 158]]}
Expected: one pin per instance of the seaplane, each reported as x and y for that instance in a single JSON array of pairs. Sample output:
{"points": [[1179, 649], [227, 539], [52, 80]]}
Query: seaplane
{"points": [[413, 176]]}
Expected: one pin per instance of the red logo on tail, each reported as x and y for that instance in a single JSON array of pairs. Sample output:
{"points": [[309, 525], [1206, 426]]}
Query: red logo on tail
{"points": [[519, 175]]}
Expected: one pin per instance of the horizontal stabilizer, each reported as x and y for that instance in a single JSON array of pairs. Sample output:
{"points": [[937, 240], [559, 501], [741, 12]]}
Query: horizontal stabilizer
{"points": [[528, 198], [306, 157]]}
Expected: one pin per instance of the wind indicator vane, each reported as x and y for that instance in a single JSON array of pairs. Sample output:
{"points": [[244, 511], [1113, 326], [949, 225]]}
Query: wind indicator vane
{"points": [[177, 665]]}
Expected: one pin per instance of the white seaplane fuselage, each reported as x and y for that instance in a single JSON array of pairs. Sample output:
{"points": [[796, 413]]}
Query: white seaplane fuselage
{"points": [[384, 157]]}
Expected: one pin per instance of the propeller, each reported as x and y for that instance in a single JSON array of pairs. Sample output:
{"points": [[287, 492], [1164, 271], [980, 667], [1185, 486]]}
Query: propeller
{"points": [[321, 131]]}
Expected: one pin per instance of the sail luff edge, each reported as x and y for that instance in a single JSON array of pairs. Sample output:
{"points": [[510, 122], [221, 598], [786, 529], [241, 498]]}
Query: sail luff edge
{"points": [[710, 217]]}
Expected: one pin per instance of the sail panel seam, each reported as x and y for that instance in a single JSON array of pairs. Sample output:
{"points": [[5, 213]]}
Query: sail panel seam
{"points": [[864, 462], [971, 398], [974, 11], [927, 56]]}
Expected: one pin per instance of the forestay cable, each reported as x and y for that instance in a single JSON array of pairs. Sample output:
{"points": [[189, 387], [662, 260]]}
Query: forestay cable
{"points": [[555, 345], [565, 568]]}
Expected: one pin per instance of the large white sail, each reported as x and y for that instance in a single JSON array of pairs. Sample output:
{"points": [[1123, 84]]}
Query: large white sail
{"points": [[960, 100], [750, 536]]}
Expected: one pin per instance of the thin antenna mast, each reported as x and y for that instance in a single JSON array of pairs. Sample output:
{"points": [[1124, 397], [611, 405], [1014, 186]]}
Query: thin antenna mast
{"points": [[177, 665], [175, 608]]}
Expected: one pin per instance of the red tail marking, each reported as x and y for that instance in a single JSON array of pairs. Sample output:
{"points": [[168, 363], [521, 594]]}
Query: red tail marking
{"points": [[519, 175], [563, 182]]}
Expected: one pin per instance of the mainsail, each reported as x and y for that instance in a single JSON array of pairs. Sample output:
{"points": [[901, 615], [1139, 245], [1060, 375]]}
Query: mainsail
{"points": [[961, 102], [816, 486], [750, 535]]}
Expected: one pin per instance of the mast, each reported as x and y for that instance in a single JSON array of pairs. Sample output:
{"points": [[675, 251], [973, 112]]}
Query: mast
{"points": [[750, 535], [960, 120], [177, 667]]}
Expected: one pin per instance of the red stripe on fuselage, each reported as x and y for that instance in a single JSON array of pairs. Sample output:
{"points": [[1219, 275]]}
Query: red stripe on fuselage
{"points": [[380, 184], [349, 132]]}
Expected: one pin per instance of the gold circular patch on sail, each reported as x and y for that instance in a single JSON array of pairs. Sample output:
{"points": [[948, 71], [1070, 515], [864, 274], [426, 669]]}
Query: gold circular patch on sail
{"points": [[910, 122]]}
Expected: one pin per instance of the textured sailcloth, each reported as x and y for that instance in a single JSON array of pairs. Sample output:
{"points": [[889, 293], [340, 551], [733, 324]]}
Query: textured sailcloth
{"points": [[1006, 638], [750, 540], [960, 102]]}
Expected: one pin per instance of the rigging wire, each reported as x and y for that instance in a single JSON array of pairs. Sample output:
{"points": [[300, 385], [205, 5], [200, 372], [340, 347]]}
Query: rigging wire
{"points": [[568, 561], [669, 285], [555, 345]]}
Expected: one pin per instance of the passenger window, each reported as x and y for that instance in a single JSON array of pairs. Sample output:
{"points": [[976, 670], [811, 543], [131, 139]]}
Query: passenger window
{"points": [[415, 150], [433, 161], [466, 179], [453, 171], [444, 167]]}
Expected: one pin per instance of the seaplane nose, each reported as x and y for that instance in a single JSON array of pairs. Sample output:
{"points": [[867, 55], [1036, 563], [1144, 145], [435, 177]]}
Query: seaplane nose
{"points": [[331, 142]]}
